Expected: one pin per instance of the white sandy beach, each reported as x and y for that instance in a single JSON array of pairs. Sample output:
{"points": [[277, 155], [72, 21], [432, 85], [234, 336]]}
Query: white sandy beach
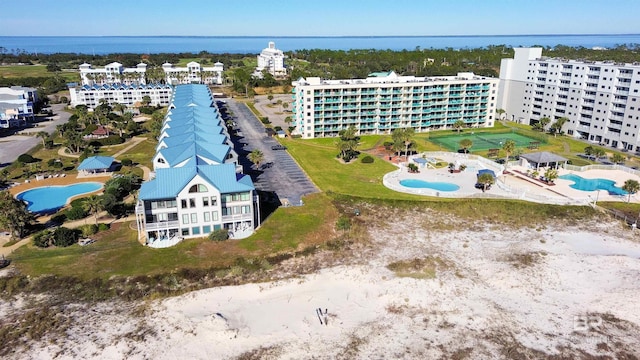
{"points": [[497, 294]]}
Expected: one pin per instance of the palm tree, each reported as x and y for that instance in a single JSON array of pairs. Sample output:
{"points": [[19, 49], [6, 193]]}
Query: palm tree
{"points": [[466, 144], [551, 174], [93, 205], [403, 137], [556, 127], [256, 157], [44, 136], [121, 108], [485, 179], [617, 158], [499, 112], [509, 147], [458, 125], [279, 103], [541, 124], [631, 187]]}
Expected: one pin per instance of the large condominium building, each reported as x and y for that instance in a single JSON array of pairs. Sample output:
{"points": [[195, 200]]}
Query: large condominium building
{"points": [[16, 105], [198, 186], [130, 95], [193, 73], [385, 101], [113, 73], [272, 60], [600, 99]]}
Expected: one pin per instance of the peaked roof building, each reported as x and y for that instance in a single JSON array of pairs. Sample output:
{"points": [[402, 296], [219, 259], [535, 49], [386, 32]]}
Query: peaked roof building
{"points": [[198, 186]]}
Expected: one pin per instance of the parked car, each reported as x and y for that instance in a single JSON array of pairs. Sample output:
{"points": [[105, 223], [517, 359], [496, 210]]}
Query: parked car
{"points": [[278, 147]]}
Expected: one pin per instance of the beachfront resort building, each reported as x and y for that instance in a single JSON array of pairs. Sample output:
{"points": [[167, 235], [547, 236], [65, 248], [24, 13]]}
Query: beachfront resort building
{"points": [[130, 95], [386, 101], [197, 186], [601, 99], [193, 73], [114, 73], [16, 105], [271, 60]]}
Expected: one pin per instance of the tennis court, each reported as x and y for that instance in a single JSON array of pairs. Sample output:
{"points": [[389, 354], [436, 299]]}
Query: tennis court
{"points": [[485, 141]]}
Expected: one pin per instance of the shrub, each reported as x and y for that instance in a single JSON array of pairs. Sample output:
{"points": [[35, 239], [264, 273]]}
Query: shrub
{"points": [[277, 128], [75, 213], [26, 158], [48, 144], [296, 136], [265, 120], [219, 235], [65, 237], [44, 239], [388, 145], [109, 140], [88, 229], [127, 162], [50, 162], [103, 227], [367, 159], [58, 218]]}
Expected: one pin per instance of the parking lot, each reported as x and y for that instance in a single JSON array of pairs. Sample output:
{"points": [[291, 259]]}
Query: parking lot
{"points": [[278, 178]]}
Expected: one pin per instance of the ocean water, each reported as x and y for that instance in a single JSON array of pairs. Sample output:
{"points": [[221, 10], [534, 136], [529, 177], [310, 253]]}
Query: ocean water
{"points": [[100, 45]]}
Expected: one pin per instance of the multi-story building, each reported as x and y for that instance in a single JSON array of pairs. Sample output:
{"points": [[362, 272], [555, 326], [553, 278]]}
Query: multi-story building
{"points": [[198, 186], [16, 105], [113, 73], [600, 99], [130, 95], [272, 60], [385, 101], [193, 73]]}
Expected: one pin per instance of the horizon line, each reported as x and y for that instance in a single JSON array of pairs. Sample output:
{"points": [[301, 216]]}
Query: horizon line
{"points": [[318, 36]]}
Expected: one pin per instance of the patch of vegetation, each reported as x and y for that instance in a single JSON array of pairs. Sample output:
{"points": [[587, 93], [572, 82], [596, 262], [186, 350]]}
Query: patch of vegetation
{"points": [[526, 259], [425, 268]]}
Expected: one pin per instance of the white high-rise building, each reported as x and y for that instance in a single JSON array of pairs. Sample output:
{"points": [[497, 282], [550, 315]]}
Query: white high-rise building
{"points": [[385, 101], [600, 99], [272, 60], [193, 73], [113, 73], [16, 105]]}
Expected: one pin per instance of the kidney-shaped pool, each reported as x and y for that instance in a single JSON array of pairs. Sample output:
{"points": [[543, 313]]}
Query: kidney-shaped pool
{"points": [[48, 199]]}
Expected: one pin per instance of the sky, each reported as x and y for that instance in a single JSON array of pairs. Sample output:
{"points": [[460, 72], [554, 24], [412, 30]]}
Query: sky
{"points": [[317, 18]]}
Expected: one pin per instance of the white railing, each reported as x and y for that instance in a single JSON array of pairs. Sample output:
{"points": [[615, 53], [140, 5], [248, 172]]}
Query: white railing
{"points": [[602, 167], [161, 225]]}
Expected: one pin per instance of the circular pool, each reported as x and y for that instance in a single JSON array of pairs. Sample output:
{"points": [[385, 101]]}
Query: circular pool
{"points": [[48, 199], [421, 184]]}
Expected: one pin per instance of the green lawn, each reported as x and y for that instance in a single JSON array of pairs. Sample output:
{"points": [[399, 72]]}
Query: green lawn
{"points": [[17, 71]]}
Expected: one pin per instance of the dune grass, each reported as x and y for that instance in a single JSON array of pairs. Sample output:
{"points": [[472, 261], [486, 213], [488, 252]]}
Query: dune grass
{"points": [[21, 71]]}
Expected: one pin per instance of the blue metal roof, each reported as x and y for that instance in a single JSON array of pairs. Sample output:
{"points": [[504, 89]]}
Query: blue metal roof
{"points": [[189, 137], [177, 154], [169, 182], [96, 163]]}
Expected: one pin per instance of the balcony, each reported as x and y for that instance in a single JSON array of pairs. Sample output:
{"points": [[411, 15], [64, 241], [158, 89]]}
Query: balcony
{"points": [[161, 225]]}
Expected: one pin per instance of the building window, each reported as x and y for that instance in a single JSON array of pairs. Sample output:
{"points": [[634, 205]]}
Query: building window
{"points": [[207, 216], [183, 203], [195, 230], [205, 201], [246, 209], [206, 229], [185, 218], [214, 201], [194, 218], [184, 231], [198, 188], [214, 215], [192, 203]]}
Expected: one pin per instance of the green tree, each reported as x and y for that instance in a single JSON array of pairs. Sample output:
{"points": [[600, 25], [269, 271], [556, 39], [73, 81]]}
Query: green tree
{"points": [[466, 144], [146, 100], [402, 138], [556, 127], [541, 125], [485, 179], [348, 143], [256, 157], [551, 174], [458, 125], [617, 158], [93, 205], [121, 108], [270, 97], [508, 147], [631, 187], [44, 136], [14, 215], [499, 113]]}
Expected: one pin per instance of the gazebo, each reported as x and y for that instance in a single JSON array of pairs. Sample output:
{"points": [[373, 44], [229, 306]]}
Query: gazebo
{"points": [[543, 159], [96, 164]]}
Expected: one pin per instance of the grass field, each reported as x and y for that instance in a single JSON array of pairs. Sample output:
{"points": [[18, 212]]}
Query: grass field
{"points": [[17, 71]]}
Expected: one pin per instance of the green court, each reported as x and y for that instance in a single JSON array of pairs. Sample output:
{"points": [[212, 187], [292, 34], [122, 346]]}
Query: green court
{"points": [[485, 141]]}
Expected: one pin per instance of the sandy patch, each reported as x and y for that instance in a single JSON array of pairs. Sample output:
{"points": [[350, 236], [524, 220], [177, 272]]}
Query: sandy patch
{"points": [[529, 293]]}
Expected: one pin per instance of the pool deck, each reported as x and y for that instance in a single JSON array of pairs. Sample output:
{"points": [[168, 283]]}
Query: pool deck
{"points": [[56, 181], [512, 183]]}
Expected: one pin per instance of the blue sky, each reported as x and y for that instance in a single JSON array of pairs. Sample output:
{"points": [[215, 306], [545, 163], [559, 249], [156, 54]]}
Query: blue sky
{"points": [[317, 18]]}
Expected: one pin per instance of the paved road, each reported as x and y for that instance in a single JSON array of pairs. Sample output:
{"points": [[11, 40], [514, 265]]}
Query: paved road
{"points": [[14, 145], [284, 177]]}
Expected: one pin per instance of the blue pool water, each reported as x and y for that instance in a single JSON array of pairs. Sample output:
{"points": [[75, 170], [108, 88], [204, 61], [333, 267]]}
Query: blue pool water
{"points": [[420, 184], [50, 198], [583, 184]]}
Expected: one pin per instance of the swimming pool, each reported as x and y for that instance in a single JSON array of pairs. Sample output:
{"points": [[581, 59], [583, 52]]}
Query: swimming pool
{"points": [[421, 184], [51, 198], [583, 184]]}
